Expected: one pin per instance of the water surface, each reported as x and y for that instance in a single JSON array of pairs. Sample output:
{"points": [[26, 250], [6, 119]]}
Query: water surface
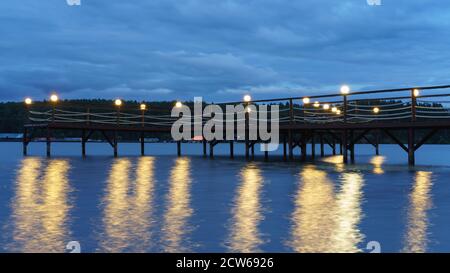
{"points": [[164, 203]]}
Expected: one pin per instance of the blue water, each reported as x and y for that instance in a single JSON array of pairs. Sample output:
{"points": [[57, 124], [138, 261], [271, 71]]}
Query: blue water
{"points": [[162, 203]]}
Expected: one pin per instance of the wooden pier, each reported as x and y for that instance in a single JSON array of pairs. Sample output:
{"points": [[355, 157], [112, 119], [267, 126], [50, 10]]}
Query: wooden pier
{"points": [[338, 120]]}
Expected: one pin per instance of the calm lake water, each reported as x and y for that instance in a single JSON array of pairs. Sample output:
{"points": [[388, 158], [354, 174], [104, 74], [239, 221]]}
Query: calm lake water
{"points": [[162, 203]]}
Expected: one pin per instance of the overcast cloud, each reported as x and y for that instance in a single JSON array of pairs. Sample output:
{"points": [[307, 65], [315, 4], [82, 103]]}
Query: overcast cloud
{"points": [[219, 49]]}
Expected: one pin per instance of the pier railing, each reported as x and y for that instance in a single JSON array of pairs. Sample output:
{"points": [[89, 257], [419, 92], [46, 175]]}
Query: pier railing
{"points": [[392, 105]]}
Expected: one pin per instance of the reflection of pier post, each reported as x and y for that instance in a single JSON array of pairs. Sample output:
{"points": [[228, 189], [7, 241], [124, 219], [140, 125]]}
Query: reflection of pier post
{"points": [[313, 145]]}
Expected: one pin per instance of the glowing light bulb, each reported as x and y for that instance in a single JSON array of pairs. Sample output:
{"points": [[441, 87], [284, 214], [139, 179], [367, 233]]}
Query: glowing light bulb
{"points": [[28, 101], [143, 106], [316, 104], [376, 110], [247, 98], [178, 104], [118, 102], [345, 89], [306, 100], [326, 106], [54, 98]]}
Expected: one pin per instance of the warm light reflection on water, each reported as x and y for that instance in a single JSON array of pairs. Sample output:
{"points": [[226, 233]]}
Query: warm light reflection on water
{"points": [[314, 211], [41, 206], [337, 161], [416, 238], [128, 212], [347, 235], [377, 162], [323, 220], [178, 208], [244, 234]]}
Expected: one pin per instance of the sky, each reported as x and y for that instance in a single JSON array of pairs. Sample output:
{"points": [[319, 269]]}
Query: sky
{"points": [[219, 49]]}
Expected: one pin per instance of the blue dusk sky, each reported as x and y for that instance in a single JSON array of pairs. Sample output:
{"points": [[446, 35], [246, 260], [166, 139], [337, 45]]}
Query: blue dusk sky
{"points": [[219, 49]]}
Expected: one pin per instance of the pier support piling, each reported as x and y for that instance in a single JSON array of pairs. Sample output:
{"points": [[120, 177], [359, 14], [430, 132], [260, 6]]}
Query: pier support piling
{"points": [[313, 146], [211, 149], [247, 149], [334, 146], [291, 146], [115, 144], [253, 150], [303, 147], [179, 148], [83, 143], [142, 144], [322, 150], [231, 149], [48, 141], [204, 143], [377, 142], [345, 146], [352, 147], [284, 148], [25, 142], [411, 148]]}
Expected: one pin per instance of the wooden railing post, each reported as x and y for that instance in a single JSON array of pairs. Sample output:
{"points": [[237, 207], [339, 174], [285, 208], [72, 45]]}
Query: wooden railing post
{"points": [[118, 116], [53, 112], [411, 138], [345, 108]]}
